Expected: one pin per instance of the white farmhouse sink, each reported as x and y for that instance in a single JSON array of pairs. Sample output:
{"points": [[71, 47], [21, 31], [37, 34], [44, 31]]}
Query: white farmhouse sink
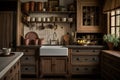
{"points": [[53, 51]]}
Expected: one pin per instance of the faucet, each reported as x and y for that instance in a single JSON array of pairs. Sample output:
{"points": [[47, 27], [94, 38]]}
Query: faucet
{"points": [[54, 35]]}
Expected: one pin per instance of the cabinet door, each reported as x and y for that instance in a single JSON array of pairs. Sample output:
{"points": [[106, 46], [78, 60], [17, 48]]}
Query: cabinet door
{"points": [[46, 65], [60, 65], [88, 16]]}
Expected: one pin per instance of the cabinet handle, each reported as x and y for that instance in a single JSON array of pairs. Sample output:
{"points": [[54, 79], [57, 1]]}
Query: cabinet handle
{"points": [[77, 59], [93, 59], [93, 50], [26, 58], [85, 68], [86, 59], [77, 69], [26, 68], [77, 50]]}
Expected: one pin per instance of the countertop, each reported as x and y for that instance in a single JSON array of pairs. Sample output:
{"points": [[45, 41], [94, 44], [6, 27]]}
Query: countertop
{"points": [[6, 62], [112, 52], [69, 46]]}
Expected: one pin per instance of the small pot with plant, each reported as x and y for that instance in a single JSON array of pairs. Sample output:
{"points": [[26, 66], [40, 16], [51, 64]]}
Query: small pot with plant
{"points": [[111, 40]]}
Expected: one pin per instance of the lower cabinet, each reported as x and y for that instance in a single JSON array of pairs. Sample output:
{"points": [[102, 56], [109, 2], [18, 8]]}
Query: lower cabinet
{"points": [[53, 66], [110, 65], [84, 61], [29, 61], [13, 73]]}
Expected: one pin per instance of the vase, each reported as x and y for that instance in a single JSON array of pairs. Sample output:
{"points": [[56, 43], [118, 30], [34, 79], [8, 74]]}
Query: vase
{"points": [[110, 45]]}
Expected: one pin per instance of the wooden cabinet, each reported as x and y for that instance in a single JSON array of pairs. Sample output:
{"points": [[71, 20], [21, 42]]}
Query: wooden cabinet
{"points": [[84, 61], [110, 65], [13, 73], [29, 61], [88, 13], [53, 66]]}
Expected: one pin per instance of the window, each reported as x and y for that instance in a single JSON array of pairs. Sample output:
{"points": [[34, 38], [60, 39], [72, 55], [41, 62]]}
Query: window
{"points": [[115, 22]]}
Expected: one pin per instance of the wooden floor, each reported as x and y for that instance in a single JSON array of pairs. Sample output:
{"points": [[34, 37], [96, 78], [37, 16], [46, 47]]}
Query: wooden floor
{"points": [[59, 79]]}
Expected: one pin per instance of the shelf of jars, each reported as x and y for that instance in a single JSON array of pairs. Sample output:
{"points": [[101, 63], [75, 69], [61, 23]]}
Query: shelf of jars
{"points": [[29, 20]]}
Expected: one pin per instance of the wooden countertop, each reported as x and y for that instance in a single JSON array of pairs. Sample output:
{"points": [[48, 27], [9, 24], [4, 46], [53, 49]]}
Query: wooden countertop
{"points": [[112, 52], [6, 62], [69, 46]]}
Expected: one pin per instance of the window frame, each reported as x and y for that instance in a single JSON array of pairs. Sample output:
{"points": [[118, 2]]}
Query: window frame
{"points": [[113, 23]]}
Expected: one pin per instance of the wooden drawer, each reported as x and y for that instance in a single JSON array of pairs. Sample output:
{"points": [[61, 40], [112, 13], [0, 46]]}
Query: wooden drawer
{"points": [[27, 51], [28, 60], [78, 59], [28, 69], [85, 52], [84, 69]]}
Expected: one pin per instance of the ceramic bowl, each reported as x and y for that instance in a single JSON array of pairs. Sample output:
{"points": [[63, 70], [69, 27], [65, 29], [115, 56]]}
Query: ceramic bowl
{"points": [[6, 51]]}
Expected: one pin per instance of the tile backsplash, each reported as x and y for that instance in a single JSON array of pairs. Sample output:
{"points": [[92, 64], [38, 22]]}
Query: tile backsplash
{"points": [[48, 34]]}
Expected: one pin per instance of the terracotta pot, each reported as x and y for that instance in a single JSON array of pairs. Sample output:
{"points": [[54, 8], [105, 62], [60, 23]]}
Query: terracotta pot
{"points": [[27, 41], [110, 45]]}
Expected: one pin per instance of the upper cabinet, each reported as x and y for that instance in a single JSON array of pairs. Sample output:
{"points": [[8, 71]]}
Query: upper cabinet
{"points": [[88, 16]]}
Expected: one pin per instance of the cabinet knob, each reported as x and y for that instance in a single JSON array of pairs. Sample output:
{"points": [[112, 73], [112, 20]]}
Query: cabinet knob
{"points": [[93, 50], [77, 59], [77, 69], [77, 50], [26, 58], [86, 59], [26, 68], [85, 68], [93, 59]]}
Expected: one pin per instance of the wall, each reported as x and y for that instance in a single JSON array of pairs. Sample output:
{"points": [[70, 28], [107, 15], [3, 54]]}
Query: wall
{"points": [[47, 33]]}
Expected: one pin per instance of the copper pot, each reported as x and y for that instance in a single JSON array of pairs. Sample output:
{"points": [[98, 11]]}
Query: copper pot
{"points": [[26, 7], [32, 5], [27, 41], [39, 6]]}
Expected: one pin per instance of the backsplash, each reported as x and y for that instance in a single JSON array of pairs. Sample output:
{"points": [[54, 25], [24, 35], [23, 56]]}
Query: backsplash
{"points": [[48, 34]]}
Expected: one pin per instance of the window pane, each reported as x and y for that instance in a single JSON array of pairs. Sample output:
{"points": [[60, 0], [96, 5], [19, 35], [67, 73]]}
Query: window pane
{"points": [[118, 11], [112, 13], [118, 20], [112, 30], [118, 31], [113, 21]]}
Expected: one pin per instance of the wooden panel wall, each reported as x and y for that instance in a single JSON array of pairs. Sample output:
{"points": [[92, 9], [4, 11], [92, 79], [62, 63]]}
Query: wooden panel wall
{"points": [[6, 28]]}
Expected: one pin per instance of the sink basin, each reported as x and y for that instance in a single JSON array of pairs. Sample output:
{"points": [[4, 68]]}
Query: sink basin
{"points": [[53, 51]]}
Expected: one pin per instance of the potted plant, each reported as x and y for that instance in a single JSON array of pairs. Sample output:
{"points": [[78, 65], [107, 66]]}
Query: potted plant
{"points": [[111, 40]]}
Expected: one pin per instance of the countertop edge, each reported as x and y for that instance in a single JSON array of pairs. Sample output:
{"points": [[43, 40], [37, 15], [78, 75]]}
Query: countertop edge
{"points": [[3, 72], [112, 52]]}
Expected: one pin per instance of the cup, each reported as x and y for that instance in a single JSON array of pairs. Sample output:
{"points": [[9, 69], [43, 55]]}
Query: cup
{"points": [[6, 51]]}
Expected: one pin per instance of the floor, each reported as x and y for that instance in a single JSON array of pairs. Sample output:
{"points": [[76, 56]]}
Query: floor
{"points": [[58, 79], [90, 77]]}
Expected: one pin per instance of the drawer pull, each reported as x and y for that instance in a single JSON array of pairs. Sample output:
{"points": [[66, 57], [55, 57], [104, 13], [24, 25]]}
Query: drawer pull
{"points": [[86, 59], [26, 58], [93, 59], [77, 59], [93, 50], [77, 69], [77, 51], [26, 68], [85, 68]]}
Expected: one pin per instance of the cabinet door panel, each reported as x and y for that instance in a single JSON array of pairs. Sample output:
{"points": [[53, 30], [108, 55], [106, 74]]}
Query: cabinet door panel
{"points": [[46, 65], [60, 65]]}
